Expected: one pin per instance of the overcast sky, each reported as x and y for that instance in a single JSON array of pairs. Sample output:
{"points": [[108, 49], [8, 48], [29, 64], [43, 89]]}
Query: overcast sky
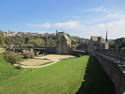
{"points": [[82, 18]]}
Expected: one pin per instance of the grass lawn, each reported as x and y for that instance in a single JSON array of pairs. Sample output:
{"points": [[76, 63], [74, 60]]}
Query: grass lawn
{"points": [[64, 77], [6, 70]]}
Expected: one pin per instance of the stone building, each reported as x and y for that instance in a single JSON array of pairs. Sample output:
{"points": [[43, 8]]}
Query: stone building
{"points": [[64, 44], [96, 43], [9, 33], [60, 33]]}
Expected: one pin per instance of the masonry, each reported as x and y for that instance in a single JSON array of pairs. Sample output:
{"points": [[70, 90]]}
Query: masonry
{"points": [[114, 72], [111, 60]]}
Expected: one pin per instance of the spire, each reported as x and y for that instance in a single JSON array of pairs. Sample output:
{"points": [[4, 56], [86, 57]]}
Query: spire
{"points": [[106, 36], [56, 32], [9, 30]]}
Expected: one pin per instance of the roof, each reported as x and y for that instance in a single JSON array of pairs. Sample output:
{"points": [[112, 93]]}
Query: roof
{"points": [[98, 38], [61, 33], [68, 40]]}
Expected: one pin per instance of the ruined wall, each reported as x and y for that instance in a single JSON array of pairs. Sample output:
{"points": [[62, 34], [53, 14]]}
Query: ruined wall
{"points": [[64, 45], [116, 75]]}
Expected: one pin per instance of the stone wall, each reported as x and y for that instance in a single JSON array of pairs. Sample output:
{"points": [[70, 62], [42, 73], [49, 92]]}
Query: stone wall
{"points": [[120, 52], [64, 45], [113, 71], [49, 50]]}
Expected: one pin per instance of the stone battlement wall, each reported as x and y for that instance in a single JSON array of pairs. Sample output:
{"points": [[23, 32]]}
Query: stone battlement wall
{"points": [[120, 52], [114, 72]]}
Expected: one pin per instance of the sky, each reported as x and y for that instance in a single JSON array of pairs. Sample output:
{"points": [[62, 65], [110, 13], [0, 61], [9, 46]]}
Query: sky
{"points": [[83, 18]]}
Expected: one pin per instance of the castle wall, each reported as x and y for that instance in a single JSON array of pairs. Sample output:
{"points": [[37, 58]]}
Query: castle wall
{"points": [[113, 71], [62, 48]]}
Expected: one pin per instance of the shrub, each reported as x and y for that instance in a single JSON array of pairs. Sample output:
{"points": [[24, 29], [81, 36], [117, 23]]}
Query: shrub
{"points": [[28, 54], [79, 55], [18, 67], [12, 57]]}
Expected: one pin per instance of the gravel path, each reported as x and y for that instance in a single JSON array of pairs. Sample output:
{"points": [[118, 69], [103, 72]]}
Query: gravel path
{"points": [[35, 63]]}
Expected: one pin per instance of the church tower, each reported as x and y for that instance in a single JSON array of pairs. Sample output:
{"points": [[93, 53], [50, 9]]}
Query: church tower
{"points": [[106, 40]]}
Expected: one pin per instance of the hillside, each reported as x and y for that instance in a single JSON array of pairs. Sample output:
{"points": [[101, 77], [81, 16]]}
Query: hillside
{"points": [[6, 70], [117, 43]]}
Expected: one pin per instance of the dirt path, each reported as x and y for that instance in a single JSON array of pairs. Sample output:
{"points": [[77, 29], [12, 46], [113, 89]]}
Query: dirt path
{"points": [[36, 63], [2, 50]]}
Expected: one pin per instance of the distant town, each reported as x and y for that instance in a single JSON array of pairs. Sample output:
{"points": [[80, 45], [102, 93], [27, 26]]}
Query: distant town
{"points": [[12, 33]]}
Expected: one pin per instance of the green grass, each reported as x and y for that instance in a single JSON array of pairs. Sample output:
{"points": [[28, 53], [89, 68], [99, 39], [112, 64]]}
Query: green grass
{"points": [[64, 77], [6, 69]]}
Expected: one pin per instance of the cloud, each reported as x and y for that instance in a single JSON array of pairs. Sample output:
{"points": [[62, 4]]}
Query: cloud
{"points": [[102, 19], [116, 29], [45, 25], [97, 9], [68, 25], [71, 17], [59, 25], [93, 25]]}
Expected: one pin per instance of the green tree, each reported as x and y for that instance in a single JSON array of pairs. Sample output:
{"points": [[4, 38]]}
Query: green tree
{"points": [[1, 38], [9, 40], [36, 42], [12, 57]]}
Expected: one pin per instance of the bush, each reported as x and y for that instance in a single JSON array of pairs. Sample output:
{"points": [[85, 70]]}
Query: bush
{"points": [[18, 67], [12, 57], [79, 55], [28, 54]]}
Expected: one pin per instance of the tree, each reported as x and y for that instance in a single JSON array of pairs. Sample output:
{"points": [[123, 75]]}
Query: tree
{"points": [[36, 42], [27, 39], [9, 40], [118, 43], [1, 38], [12, 57]]}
